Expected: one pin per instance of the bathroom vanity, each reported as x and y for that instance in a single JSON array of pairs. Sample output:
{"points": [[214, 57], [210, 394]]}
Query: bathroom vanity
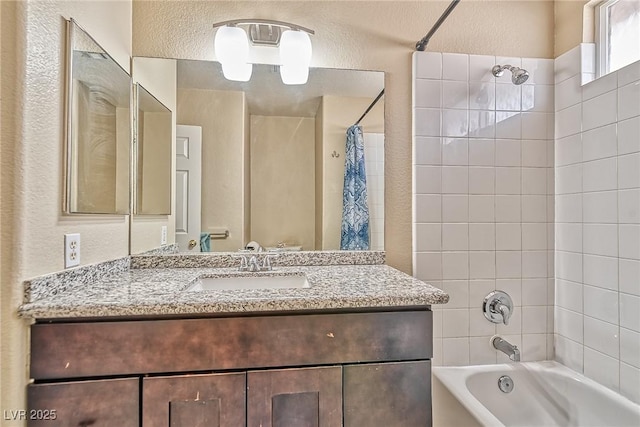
{"points": [[342, 352]]}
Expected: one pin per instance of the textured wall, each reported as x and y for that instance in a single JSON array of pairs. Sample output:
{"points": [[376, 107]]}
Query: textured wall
{"points": [[363, 35], [568, 25], [32, 163]]}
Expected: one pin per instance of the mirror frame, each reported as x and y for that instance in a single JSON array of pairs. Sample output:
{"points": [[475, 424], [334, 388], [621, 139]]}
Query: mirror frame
{"points": [[71, 27]]}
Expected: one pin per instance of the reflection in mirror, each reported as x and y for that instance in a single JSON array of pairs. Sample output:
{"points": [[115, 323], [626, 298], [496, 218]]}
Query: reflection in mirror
{"points": [[273, 156], [153, 155], [98, 128]]}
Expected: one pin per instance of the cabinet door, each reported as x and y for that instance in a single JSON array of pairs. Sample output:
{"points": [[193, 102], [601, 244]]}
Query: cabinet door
{"points": [[388, 394], [212, 400], [310, 397], [103, 403]]}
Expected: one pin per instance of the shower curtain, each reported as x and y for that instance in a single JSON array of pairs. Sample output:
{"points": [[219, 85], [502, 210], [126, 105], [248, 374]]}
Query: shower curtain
{"points": [[355, 211]]}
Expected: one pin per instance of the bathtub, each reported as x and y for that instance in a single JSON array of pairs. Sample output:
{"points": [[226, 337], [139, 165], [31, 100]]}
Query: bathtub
{"points": [[544, 394]]}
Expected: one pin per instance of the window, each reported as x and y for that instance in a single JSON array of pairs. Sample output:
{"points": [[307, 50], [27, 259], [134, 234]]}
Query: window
{"points": [[618, 34]]}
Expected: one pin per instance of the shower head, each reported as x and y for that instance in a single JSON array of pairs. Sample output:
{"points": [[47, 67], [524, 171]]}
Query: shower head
{"points": [[518, 75]]}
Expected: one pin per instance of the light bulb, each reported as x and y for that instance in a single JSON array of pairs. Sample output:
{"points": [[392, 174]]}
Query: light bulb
{"points": [[295, 57], [232, 51]]}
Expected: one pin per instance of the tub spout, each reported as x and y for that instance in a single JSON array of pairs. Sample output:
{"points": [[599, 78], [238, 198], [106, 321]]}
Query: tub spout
{"points": [[504, 346]]}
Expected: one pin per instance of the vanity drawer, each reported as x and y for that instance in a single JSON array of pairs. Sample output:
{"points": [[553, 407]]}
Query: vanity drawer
{"points": [[102, 403], [71, 350]]}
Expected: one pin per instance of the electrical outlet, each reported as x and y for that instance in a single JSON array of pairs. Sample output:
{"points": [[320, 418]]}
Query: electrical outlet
{"points": [[163, 235], [71, 250]]}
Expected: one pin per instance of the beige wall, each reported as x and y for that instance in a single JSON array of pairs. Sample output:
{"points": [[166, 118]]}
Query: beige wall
{"points": [[32, 165], [221, 116], [283, 181], [159, 77], [364, 35], [246, 176], [568, 25], [338, 113], [319, 187], [7, 335], [156, 162]]}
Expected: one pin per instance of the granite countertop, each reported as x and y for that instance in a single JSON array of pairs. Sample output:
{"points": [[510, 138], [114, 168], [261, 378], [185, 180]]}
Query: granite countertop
{"points": [[162, 291]]}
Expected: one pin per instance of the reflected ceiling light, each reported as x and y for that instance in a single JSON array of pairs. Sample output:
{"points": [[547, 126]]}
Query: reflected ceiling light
{"points": [[232, 48], [295, 57]]}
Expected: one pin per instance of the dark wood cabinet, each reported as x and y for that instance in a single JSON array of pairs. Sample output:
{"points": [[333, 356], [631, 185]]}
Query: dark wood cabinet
{"points": [[310, 397], [212, 400], [101, 403], [387, 394], [370, 368]]}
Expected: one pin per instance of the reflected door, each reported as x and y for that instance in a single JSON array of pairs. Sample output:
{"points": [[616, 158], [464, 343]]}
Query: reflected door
{"points": [[188, 182]]}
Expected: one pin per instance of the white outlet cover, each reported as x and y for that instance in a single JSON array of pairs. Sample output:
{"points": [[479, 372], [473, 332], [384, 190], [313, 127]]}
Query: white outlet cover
{"points": [[163, 235], [71, 250]]}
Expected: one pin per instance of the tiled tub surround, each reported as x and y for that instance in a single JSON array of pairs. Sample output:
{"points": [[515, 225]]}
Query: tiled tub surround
{"points": [[374, 166], [483, 201], [598, 222], [161, 291]]}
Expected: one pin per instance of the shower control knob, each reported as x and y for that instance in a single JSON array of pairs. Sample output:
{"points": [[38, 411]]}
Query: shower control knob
{"points": [[497, 307]]}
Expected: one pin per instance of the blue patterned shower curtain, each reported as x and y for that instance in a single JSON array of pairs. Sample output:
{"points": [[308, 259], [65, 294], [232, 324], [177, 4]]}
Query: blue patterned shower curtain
{"points": [[355, 211]]}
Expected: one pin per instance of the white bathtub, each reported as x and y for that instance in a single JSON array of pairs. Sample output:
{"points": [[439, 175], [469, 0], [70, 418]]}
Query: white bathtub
{"points": [[544, 394]]}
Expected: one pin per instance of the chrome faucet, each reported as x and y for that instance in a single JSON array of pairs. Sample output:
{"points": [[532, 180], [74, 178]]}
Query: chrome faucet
{"points": [[497, 307], [504, 346], [253, 265]]}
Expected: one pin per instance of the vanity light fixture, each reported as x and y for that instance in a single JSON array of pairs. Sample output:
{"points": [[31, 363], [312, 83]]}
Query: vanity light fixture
{"points": [[241, 43]]}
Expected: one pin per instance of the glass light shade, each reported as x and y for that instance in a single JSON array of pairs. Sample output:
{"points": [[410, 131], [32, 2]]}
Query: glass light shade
{"points": [[232, 51], [295, 57], [237, 72], [294, 75]]}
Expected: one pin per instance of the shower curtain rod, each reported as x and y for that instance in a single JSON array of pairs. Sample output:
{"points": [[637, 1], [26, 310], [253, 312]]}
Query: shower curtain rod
{"points": [[370, 107], [422, 44]]}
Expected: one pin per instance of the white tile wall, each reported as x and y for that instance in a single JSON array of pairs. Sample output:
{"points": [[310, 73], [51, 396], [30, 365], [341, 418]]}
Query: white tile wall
{"points": [[536, 182], [374, 167], [483, 157], [597, 210]]}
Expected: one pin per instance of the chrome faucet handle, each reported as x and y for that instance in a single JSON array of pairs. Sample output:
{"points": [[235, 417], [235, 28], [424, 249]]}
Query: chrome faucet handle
{"points": [[266, 262], [244, 265], [504, 312], [497, 307], [253, 264]]}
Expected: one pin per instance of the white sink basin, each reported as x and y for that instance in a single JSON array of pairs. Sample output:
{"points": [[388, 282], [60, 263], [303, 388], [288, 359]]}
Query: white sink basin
{"points": [[250, 282]]}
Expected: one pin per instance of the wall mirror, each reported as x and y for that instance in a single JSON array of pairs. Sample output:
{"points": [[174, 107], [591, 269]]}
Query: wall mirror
{"points": [[263, 161], [153, 144], [98, 128]]}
